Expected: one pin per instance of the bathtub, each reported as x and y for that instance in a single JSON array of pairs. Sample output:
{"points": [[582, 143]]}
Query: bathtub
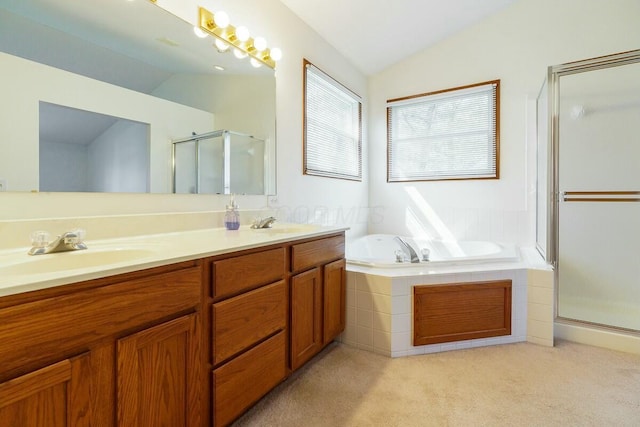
{"points": [[379, 250], [379, 300]]}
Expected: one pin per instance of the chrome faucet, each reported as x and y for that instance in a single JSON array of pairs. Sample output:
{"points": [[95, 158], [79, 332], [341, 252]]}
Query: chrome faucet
{"points": [[411, 253], [263, 222], [69, 241]]}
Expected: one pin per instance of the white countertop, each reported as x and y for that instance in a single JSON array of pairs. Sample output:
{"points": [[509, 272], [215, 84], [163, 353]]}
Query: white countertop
{"points": [[20, 272]]}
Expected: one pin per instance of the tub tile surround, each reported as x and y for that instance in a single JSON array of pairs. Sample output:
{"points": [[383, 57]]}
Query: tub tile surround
{"points": [[540, 297], [379, 307]]}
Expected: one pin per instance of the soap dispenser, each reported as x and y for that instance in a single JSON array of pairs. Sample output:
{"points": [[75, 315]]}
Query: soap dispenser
{"points": [[231, 216]]}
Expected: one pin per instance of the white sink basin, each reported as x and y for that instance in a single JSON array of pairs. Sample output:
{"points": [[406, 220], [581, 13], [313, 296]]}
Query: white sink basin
{"points": [[64, 261]]}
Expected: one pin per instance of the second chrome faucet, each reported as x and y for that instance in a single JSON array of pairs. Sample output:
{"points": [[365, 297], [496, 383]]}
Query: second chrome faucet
{"points": [[263, 222]]}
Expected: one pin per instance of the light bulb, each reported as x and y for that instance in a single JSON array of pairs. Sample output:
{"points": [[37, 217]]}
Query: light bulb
{"points": [[260, 44], [276, 54], [255, 63], [198, 32], [242, 33], [221, 46], [239, 54], [221, 19]]}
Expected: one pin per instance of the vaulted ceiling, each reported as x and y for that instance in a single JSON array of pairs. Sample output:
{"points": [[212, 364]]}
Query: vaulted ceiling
{"points": [[376, 34]]}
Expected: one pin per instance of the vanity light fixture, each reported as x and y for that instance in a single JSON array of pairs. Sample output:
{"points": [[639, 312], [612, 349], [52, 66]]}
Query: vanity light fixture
{"points": [[239, 38], [239, 53], [221, 19], [222, 46], [199, 33], [242, 33], [260, 43], [276, 54]]}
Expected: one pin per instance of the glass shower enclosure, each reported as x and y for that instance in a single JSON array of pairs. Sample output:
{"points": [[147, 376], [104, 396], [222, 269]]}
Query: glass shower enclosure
{"points": [[219, 162], [588, 217]]}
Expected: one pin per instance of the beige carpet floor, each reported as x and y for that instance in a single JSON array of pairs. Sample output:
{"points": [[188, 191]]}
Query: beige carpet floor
{"points": [[509, 385]]}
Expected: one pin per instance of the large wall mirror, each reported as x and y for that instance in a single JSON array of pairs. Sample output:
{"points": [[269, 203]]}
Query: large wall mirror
{"points": [[133, 75]]}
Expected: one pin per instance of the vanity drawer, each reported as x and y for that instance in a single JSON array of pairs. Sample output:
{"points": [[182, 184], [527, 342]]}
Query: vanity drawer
{"points": [[241, 382], [241, 321], [69, 323], [234, 275], [305, 255]]}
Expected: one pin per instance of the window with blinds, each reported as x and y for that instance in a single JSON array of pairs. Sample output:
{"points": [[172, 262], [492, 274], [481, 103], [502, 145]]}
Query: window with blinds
{"points": [[449, 134], [332, 127]]}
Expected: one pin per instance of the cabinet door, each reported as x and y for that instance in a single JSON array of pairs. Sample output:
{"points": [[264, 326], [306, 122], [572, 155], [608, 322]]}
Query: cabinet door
{"points": [[306, 316], [57, 395], [334, 300], [159, 375]]}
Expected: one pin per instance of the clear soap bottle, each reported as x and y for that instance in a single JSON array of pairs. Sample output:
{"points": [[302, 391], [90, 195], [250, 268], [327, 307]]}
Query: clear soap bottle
{"points": [[232, 216]]}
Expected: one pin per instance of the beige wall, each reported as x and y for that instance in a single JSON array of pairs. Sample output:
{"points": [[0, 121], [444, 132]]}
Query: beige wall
{"points": [[516, 46]]}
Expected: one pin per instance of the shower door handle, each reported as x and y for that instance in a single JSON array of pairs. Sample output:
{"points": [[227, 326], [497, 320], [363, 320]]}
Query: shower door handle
{"points": [[601, 196]]}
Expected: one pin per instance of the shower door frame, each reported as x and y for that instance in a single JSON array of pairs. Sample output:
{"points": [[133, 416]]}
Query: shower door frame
{"points": [[553, 231], [226, 168]]}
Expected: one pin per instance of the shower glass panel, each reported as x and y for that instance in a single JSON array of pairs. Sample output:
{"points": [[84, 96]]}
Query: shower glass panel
{"points": [[219, 162], [184, 167], [597, 160], [210, 166], [247, 166], [542, 173]]}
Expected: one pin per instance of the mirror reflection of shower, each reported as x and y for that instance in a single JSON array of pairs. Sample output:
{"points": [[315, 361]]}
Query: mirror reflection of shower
{"points": [[219, 162]]}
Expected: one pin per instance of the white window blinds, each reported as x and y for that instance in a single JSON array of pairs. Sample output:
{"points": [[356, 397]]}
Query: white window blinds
{"points": [[332, 127], [451, 134]]}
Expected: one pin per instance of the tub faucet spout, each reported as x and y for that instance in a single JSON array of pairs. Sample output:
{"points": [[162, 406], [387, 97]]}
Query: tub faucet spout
{"points": [[411, 253]]}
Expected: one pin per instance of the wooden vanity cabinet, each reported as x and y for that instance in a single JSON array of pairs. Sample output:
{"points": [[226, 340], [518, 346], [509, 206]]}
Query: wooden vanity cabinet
{"points": [[317, 296], [249, 329], [118, 351], [189, 344], [334, 300], [272, 309]]}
